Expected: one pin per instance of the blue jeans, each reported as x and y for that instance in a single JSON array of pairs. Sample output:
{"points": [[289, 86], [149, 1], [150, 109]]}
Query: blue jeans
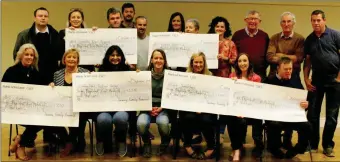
{"points": [[104, 126], [162, 121]]}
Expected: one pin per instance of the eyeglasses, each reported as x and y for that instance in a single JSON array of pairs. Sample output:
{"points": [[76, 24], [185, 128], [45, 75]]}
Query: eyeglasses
{"points": [[253, 19]]}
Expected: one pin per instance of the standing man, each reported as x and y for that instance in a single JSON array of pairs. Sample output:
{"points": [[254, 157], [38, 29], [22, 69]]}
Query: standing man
{"points": [[286, 43], [114, 18], [142, 43], [48, 44], [322, 54], [128, 10], [254, 42]]}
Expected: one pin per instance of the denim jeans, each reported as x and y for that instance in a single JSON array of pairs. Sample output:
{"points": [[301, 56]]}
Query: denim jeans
{"points": [[104, 126], [332, 91], [162, 121]]}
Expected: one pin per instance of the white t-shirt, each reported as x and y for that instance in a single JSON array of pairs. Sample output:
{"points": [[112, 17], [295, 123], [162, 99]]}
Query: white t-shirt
{"points": [[142, 52]]}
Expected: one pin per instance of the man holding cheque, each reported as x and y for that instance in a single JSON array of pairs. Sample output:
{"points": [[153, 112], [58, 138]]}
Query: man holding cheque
{"points": [[285, 78]]}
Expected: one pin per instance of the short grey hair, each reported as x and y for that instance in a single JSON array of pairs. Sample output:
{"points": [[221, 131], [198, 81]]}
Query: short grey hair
{"points": [[141, 17], [253, 12], [195, 22], [290, 14]]}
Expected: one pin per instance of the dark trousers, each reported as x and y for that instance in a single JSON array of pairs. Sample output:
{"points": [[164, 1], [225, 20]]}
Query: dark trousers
{"points": [[257, 131], [30, 133], [77, 134], [191, 121], [235, 127], [332, 91], [274, 133]]}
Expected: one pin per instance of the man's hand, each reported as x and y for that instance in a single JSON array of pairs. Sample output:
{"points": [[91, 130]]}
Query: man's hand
{"points": [[309, 85]]}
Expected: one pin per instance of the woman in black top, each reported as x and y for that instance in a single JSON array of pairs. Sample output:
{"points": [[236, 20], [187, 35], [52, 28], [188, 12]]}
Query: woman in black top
{"points": [[25, 70]]}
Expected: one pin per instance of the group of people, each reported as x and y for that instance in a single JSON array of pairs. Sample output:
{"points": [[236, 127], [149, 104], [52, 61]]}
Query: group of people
{"points": [[40, 58]]}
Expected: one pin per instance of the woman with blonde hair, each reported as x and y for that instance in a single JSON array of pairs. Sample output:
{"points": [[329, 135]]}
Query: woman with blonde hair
{"points": [[25, 70], [192, 121], [75, 142]]}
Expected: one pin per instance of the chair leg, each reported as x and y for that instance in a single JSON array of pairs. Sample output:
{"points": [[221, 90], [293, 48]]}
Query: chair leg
{"points": [[310, 151], [140, 145], [264, 143], [217, 138], [91, 137], [17, 129], [10, 138]]}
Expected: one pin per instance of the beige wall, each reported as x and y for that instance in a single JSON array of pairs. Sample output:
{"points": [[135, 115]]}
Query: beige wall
{"points": [[17, 16]]}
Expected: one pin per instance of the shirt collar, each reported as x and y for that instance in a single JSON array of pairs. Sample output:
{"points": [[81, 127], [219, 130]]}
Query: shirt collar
{"points": [[37, 30], [248, 33], [278, 76], [290, 36]]}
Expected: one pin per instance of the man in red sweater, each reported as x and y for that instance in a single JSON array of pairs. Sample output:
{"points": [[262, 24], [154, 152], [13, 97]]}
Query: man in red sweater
{"points": [[254, 42]]}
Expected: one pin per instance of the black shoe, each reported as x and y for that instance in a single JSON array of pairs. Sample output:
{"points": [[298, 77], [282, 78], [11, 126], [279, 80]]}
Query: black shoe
{"points": [[162, 149], [147, 150], [277, 153], [257, 152], [329, 152]]}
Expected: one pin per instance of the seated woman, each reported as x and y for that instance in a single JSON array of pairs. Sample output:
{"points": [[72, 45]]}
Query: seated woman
{"points": [[114, 60], [25, 70], [76, 138], [243, 70], [157, 65], [192, 121]]}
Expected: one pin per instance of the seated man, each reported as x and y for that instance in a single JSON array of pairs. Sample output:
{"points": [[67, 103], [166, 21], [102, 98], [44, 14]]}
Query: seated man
{"points": [[285, 78]]}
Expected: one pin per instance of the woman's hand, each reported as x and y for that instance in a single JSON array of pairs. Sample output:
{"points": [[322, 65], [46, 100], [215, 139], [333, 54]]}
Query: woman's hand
{"points": [[304, 104], [51, 84], [94, 28], [71, 28]]}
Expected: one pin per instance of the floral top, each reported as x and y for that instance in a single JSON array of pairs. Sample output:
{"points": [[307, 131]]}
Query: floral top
{"points": [[226, 48]]}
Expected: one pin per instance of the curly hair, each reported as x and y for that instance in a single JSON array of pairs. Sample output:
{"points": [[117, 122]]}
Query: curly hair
{"points": [[215, 21]]}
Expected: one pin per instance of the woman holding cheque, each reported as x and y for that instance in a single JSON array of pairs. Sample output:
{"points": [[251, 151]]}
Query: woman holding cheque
{"points": [[157, 65], [25, 70], [192, 121], [114, 60], [243, 70], [75, 141]]}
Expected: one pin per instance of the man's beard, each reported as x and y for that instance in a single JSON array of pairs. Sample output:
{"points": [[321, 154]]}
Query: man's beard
{"points": [[128, 20]]}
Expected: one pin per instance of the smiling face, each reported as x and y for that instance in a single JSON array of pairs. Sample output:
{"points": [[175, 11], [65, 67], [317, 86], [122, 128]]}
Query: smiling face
{"points": [[253, 21], [176, 23], [158, 61], [71, 59], [190, 28], [243, 63], [115, 58], [284, 70], [128, 14], [220, 28], [198, 64], [28, 57], [141, 25], [76, 19]]}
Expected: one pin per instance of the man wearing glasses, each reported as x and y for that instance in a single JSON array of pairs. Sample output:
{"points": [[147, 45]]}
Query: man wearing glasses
{"points": [[254, 42]]}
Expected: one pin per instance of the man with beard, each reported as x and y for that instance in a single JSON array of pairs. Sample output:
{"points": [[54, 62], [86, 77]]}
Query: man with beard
{"points": [[142, 43], [128, 10]]}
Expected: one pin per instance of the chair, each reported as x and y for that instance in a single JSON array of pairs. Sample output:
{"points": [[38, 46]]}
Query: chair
{"points": [[10, 136]]}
